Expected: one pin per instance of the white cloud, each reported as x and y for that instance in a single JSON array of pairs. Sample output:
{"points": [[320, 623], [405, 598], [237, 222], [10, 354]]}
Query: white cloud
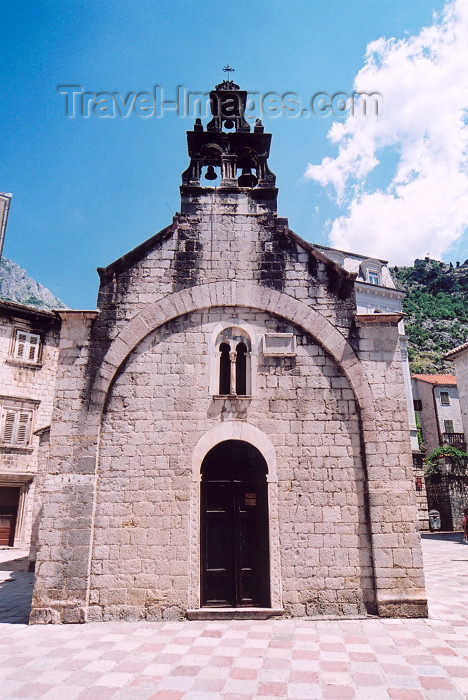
{"points": [[424, 83]]}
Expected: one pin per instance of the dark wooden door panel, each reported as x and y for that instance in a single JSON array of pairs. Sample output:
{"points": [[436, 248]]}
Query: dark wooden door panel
{"points": [[252, 509], [9, 500], [6, 523], [235, 554], [217, 557]]}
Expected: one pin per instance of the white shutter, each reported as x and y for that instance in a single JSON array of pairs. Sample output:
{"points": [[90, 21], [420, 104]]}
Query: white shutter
{"points": [[23, 427], [33, 347], [20, 345], [8, 426], [16, 427], [27, 346]]}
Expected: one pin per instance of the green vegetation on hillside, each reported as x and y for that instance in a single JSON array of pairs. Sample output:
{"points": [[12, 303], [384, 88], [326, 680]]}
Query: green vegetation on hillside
{"points": [[437, 306]]}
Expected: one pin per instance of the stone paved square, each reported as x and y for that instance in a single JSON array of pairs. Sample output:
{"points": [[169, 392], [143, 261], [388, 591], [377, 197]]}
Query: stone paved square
{"points": [[367, 659]]}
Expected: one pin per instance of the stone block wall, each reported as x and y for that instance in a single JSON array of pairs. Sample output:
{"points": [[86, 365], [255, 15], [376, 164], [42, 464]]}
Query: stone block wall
{"points": [[65, 479], [392, 499]]}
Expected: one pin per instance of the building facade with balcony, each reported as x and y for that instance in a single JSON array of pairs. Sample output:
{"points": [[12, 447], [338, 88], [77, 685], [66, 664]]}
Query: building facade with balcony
{"points": [[437, 404], [436, 399], [459, 356]]}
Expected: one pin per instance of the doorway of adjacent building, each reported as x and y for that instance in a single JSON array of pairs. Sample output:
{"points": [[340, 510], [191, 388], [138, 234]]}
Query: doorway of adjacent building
{"points": [[9, 501], [235, 562]]}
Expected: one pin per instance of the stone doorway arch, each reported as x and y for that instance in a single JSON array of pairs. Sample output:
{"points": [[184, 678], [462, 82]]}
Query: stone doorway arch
{"points": [[259, 443]]}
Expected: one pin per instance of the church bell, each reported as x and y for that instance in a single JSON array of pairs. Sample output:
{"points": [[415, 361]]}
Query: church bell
{"points": [[210, 173], [247, 179]]}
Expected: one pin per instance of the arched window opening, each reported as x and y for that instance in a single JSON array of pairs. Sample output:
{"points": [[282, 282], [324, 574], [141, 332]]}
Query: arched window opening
{"points": [[231, 367], [224, 369], [241, 369]]}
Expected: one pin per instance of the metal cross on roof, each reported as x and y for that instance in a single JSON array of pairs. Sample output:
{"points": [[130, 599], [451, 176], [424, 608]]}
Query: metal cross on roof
{"points": [[227, 69]]}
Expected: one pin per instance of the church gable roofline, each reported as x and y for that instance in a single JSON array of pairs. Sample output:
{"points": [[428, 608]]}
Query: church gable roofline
{"points": [[133, 256], [319, 255]]}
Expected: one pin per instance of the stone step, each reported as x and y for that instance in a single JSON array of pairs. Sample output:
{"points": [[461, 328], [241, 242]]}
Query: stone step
{"points": [[234, 613]]}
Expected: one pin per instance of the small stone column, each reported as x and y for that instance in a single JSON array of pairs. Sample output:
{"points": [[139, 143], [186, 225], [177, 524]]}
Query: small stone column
{"points": [[232, 386], [228, 170]]}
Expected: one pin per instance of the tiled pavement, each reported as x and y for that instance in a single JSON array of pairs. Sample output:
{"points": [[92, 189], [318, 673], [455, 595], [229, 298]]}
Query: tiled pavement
{"points": [[16, 587], [367, 659]]}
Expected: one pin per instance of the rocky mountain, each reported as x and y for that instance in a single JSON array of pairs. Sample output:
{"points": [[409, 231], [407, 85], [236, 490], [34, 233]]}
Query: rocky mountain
{"points": [[437, 306], [17, 286]]}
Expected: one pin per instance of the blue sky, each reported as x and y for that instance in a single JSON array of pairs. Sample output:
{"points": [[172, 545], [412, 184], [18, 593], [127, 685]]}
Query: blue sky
{"points": [[85, 191]]}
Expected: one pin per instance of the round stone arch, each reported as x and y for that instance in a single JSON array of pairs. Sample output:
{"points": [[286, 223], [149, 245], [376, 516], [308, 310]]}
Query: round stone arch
{"points": [[235, 430], [230, 294], [241, 295]]}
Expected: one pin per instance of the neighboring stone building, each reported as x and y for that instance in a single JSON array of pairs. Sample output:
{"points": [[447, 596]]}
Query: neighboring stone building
{"points": [[230, 434], [376, 293], [459, 356], [28, 362], [437, 403]]}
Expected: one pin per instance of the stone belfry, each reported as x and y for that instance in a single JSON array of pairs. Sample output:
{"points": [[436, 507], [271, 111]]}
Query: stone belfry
{"points": [[227, 180], [229, 436], [237, 148]]}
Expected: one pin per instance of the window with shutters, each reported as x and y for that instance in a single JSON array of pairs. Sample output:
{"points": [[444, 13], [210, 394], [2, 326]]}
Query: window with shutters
{"points": [[16, 426], [448, 426], [27, 346], [445, 398]]}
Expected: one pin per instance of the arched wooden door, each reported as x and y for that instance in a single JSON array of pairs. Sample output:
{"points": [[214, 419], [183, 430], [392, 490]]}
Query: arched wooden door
{"points": [[235, 566]]}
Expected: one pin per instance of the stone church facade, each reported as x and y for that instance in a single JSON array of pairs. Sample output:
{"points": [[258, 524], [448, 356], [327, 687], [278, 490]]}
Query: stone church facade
{"points": [[230, 437]]}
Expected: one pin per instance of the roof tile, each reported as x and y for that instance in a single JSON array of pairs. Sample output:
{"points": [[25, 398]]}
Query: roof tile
{"points": [[442, 379]]}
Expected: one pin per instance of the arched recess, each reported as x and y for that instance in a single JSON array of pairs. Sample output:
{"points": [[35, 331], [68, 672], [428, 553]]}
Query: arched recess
{"points": [[235, 430], [229, 294]]}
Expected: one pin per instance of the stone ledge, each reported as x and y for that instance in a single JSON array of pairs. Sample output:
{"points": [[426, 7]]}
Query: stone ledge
{"points": [[23, 363], [232, 397], [386, 319]]}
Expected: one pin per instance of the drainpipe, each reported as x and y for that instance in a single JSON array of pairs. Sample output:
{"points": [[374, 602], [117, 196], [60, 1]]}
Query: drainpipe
{"points": [[5, 199], [436, 415]]}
